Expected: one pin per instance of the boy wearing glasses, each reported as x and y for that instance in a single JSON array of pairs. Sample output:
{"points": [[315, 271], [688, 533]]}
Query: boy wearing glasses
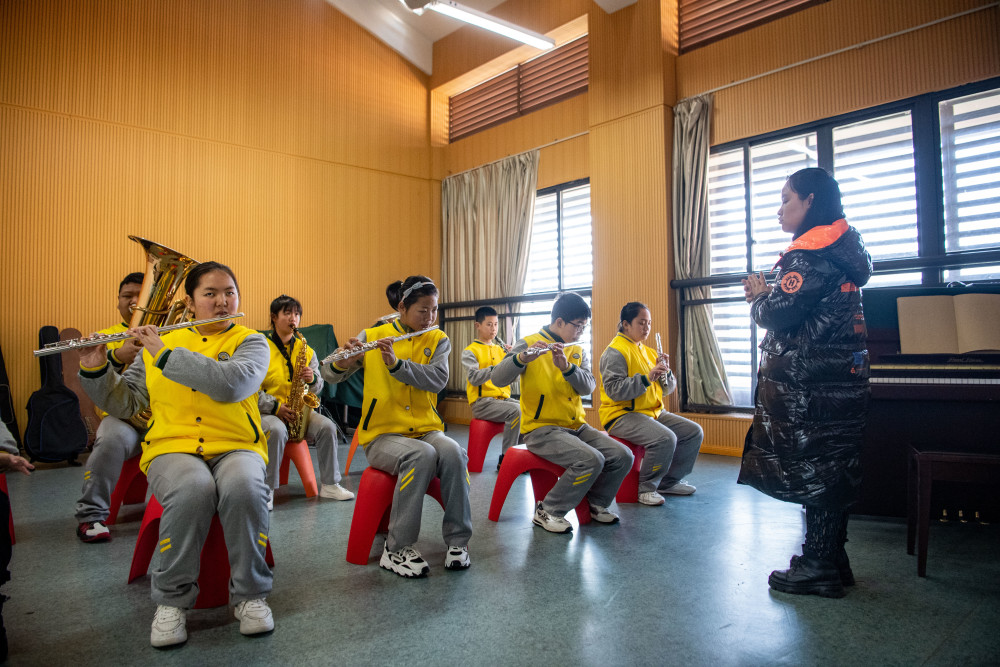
{"points": [[555, 374]]}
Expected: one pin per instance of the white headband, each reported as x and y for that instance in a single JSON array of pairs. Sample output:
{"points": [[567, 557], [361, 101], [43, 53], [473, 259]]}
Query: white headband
{"points": [[412, 287]]}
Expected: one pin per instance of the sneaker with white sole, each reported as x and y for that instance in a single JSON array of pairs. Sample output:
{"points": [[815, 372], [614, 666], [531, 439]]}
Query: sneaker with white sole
{"points": [[681, 488], [336, 492], [270, 500], [651, 498], [407, 562], [255, 617], [553, 524], [93, 531], [169, 626], [457, 558], [602, 514]]}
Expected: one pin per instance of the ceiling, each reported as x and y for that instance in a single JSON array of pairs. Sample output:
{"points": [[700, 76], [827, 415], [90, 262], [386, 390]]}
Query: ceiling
{"points": [[413, 36]]}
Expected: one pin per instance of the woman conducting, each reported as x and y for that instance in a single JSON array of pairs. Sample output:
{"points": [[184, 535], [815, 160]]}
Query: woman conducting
{"points": [[634, 380], [204, 451], [401, 430], [812, 385]]}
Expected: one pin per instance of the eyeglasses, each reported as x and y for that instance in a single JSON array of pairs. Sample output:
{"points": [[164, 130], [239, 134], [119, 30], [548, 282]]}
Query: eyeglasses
{"points": [[578, 326]]}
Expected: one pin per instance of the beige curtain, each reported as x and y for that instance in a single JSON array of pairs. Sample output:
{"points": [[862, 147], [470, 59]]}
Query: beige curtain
{"points": [[704, 373], [486, 229]]}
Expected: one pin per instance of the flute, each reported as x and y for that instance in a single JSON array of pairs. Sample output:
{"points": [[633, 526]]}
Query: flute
{"points": [[370, 345], [535, 351], [101, 339]]}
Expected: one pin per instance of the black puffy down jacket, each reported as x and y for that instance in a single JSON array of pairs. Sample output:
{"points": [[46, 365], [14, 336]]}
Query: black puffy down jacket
{"points": [[812, 384]]}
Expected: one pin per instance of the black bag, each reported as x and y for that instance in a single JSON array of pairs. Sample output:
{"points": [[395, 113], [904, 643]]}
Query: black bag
{"points": [[56, 431]]}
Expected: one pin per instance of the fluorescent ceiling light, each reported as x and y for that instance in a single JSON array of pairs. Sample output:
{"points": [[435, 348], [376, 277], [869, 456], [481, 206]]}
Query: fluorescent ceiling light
{"points": [[481, 19]]}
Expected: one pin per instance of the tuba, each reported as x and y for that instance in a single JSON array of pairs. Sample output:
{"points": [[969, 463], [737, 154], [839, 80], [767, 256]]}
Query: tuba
{"points": [[166, 270], [301, 401]]}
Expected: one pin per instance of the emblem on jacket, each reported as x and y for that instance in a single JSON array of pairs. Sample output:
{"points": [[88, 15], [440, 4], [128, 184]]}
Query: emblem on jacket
{"points": [[427, 351], [576, 355], [223, 356], [791, 282]]}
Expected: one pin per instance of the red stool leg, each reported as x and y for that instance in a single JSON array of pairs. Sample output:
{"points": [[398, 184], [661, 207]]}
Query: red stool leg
{"points": [[372, 503], [149, 535], [516, 461], [298, 453], [213, 575], [481, 432], [130, 488], [628, 492]]}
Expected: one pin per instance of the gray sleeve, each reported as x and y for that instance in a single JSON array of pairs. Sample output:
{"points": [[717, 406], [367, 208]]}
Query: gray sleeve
{"points": [[477, 376], [432, 376], [317, 384], [580, 377], [7, 442], [230, 381], [508, 370], [336, 376], [617, 383], [669, 383], [119, 395], [266, 403]]}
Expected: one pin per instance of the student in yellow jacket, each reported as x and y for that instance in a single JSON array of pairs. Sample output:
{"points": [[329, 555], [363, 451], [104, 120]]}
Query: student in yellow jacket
{"points": [[204, 451], [401, 430], [634, 380], [116, 439], [555, 374]]}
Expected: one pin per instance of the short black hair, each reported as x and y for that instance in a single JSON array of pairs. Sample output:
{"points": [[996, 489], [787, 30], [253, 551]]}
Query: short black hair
{"points": [[826, 207], [395, 291], [570, 306], [283, 303], [131, 278], [483, 312], [194, 276], [630, 311]]}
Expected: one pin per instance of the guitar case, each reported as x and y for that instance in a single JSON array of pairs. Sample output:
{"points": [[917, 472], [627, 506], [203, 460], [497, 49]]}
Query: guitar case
{"points": [[71, 378], [56, 431]]}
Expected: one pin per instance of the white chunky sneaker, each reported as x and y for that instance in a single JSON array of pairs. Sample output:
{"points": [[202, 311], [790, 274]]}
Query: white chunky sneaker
{"points": [[681, 488], [255, 617], [169, 627], [270, 500], [457, 558], [407, 562], [336, 492], [553, 524], [651, 498], [602, 514]]}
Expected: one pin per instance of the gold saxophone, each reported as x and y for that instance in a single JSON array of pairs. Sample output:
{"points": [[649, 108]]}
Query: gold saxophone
{"points": [[301, 402]]}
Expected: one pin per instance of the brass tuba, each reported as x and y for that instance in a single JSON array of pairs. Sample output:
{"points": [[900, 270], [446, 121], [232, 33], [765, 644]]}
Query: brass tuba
{"points": [[166, 270], [301, 401]]}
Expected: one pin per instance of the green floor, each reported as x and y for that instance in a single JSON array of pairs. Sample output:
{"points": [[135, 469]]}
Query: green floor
{"points": [[682, 584]]}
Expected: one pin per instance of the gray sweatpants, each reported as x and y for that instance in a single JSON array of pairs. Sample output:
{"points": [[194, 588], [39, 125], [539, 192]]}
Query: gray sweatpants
{"points": [[416, 461], [595, 465], [501, 410], [321, 431], [115, 442], [191, 490], [671, 443]]}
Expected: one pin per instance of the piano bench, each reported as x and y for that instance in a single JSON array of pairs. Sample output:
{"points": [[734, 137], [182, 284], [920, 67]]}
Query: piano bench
{"points": [[927, 465]]}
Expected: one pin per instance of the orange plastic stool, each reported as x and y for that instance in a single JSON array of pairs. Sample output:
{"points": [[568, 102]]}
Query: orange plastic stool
{"points": [[544, 475], [297, 451], [371, 511], [10, 516], [213, 575], [350, 452], [130, 489], [480, 434], [628, 492]]}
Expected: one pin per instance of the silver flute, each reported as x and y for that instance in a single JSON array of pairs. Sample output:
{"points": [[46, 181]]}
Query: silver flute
{"points": [[347, 353], [535, 351], [101, 339]]}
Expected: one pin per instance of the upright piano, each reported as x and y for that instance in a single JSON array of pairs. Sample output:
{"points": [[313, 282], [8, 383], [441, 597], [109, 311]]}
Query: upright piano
{"points": [[947, 401]]}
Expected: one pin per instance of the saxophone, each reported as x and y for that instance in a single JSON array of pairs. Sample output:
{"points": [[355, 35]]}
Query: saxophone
{"points": [[300, 400]]}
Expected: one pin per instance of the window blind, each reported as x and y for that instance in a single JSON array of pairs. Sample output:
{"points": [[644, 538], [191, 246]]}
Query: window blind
{"points": [[704, 21]]}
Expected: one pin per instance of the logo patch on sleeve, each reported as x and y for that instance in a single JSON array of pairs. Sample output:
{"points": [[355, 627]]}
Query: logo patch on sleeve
{"points": [[791, 282]]}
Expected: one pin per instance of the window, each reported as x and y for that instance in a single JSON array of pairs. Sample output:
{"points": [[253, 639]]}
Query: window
{"points": [[704, 21], [920, 180]]}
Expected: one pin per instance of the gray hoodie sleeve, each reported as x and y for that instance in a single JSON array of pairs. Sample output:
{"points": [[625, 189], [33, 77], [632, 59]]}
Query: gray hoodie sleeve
{"points": [[7, 442], [119, 395], [316, 385], [477, 376], [580, 377], [508, 370], [335, 376], [266, 403], [230, 381], [432, 376], [614, 376]]}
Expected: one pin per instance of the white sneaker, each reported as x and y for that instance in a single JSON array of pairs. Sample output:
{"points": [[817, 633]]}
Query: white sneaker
{"points": [[553, 524], [651, 498], [335, 491], [255, 617], [602, 514], [169, 626], [407, 562], [457, 558], [681, 488], [270, 500]]}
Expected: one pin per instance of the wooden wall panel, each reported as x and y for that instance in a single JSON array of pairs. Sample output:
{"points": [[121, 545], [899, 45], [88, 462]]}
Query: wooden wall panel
{"points": [[941, 56], [278, 138]]}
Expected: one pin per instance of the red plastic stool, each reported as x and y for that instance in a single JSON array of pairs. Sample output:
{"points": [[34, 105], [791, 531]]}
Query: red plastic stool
{"points": [[544, 475], [10, 515], [297, 451], [628, 492], [371, 511], [213, 575], [130, 489], [480, 434], [350, 452]]}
